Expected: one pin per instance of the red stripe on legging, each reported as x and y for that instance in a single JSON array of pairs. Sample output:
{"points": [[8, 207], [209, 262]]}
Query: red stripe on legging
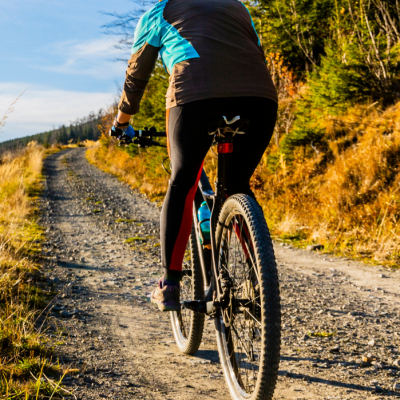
{"points": [[167, 130], [185, 228]]}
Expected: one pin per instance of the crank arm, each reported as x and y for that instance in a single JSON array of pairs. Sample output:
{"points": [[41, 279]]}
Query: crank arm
{"points": [[200, 306]]}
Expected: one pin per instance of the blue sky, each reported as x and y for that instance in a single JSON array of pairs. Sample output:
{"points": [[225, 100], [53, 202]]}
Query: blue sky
{"points": [[57, 52]]}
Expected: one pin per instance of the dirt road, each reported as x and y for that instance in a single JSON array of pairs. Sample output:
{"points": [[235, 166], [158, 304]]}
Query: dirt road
{"points": [[341, 325]]}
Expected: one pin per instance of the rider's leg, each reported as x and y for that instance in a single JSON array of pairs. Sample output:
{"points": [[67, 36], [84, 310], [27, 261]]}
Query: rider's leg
{"points": [[188, 145], [249, 148]]}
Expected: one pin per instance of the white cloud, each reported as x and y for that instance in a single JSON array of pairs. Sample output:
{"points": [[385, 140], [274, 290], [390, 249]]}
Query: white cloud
{"points": [[94, 57], [41, 109]]}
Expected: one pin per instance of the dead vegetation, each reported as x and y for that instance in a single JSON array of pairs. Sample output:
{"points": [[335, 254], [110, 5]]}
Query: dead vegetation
{"points": [[25, 361], [346, 196]]}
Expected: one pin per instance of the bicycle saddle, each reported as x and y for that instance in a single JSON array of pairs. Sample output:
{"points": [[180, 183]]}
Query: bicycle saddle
{"points": [[236, 126]]}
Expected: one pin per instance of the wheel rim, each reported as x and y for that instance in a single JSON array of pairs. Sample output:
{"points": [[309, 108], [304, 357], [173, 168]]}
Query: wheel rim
{"points": [[240, 327]]}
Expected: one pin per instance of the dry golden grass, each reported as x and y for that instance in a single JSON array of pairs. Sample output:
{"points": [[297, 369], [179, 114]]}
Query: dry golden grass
{"points": [[346, 198], [19, 173], [24, 361], [90, 143]]}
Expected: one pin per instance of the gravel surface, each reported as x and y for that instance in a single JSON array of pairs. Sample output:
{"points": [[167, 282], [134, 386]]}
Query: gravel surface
{"points": [[341, 325]]}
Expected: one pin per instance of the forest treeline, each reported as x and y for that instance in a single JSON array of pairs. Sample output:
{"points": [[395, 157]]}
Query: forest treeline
{"points": [[331, 174], [86, 128]]}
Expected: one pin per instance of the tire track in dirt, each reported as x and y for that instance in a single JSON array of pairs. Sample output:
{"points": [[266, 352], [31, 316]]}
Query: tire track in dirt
{"points": [[124, 347]]}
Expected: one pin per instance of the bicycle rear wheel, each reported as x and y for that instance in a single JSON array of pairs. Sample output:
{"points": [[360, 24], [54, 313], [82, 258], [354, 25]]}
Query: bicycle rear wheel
{"points": [[187, 325], [248, 330]]}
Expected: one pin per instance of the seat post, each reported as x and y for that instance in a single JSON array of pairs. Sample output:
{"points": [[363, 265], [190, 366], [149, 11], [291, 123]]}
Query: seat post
{"points": [[221, 179]]}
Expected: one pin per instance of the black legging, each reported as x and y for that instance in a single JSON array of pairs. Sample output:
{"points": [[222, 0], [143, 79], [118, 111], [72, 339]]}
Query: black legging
{"points": [[189, 142]]}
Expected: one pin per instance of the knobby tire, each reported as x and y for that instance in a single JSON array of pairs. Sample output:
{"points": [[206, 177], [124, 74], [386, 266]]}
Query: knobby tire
{"points": [[266, 296]]}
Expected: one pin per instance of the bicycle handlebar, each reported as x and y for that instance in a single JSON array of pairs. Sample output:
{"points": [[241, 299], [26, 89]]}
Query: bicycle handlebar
{"points": [[150, 133], [145, 138], [142, 138]]}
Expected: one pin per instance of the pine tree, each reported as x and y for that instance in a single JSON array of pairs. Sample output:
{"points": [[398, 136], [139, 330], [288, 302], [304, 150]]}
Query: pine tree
{"points": [[72, 133], [63, 137]]}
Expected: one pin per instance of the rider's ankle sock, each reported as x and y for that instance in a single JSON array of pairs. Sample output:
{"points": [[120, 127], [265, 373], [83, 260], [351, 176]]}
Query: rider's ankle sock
{"points": [[171, 277]]}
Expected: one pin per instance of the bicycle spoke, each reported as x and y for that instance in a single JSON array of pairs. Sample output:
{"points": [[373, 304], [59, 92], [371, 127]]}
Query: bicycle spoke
{"points": [[238, 337], [243, 331], [255, 319]]}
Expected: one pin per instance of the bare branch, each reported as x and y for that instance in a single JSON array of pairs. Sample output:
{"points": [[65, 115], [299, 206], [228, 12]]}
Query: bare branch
{"points": [[299, 33], [9, 111], [123, 25], [377, 55]]}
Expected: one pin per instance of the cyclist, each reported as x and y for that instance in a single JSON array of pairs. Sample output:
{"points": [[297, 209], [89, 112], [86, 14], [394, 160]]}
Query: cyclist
{"points": [[217, 68]]}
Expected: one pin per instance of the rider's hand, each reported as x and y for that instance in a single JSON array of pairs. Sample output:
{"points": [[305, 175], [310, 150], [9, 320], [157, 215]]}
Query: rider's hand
{"points": [[117, 129], [124, 132]]}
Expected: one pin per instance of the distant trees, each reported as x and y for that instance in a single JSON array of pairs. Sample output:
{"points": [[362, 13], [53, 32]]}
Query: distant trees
{"points": [[79, 130]]}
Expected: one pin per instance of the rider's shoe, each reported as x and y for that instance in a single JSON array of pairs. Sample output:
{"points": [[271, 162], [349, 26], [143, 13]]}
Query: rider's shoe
{"points": [[167, 296]]}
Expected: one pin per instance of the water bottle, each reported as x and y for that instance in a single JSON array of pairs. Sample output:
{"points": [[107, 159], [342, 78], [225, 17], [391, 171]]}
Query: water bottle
{"points": [[203, 215]]}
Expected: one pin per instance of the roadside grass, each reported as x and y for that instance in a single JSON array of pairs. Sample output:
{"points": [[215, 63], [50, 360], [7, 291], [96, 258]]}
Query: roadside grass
{"points": [[27, 370], [140, 168]]}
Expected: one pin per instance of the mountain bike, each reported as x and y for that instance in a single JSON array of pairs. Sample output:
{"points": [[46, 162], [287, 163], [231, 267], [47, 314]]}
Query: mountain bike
{"points": [[231, 276]]}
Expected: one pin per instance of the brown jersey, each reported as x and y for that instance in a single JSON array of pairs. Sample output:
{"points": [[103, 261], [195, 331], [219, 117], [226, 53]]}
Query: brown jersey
{"points": [[210, 49]]}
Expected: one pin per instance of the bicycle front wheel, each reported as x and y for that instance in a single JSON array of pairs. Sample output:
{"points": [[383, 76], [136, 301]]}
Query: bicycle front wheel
{"points": [[186, 324], [248, 329]]}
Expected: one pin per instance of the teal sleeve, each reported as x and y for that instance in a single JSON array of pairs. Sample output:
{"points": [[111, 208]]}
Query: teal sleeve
{"points": [[252, 23]]}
